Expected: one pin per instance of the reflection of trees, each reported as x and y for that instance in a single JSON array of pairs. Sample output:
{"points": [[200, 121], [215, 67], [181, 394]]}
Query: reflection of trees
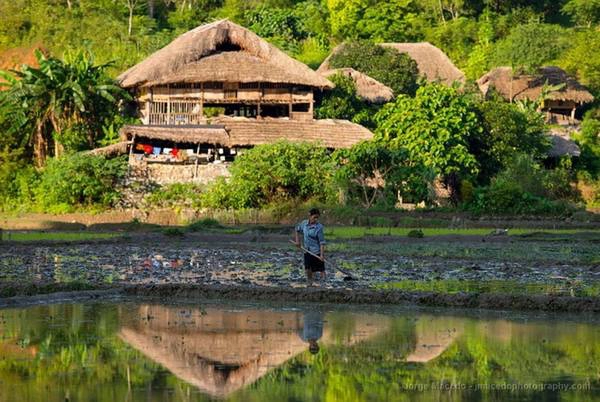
{"points": [[47, 351]]}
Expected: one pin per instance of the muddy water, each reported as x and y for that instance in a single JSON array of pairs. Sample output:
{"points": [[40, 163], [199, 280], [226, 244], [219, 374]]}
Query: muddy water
{"points": [[152, 351]]}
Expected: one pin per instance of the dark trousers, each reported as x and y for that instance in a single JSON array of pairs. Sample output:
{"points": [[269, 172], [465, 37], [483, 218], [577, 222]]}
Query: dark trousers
{"points": [[313, 263]]}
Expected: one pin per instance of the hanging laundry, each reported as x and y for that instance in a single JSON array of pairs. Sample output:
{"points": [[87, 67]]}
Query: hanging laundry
{"points": [[167, 151], [174, 151], [139, 147], [147, 149], [156, 151]]}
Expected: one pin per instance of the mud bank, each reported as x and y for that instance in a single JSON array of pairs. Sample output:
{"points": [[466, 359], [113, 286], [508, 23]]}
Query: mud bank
{"points": [[311, 294]]}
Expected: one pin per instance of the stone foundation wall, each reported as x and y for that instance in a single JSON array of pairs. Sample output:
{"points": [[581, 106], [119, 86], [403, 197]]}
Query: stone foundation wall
{"points": [[165, 173]]}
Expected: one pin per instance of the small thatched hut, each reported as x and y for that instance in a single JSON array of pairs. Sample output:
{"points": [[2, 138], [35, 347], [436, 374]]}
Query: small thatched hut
{"points": [[367, 88], [560, 105], [433, 64], [215, 91]]}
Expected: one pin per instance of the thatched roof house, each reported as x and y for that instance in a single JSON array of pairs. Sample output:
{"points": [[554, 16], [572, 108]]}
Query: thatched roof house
{"points": [[220, 52], [562, 144], [432, 62], [367, 88], [560, 104], [214, 91], [530, 86]]}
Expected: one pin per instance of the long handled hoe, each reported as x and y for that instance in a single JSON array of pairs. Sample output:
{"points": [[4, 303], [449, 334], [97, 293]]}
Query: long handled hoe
{"points": [[348, 277]]}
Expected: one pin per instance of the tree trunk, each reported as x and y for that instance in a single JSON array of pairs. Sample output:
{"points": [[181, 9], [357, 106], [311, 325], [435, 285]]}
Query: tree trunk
{"points": [[151, 8], [442, 12], [130, 6], [40, 147]]}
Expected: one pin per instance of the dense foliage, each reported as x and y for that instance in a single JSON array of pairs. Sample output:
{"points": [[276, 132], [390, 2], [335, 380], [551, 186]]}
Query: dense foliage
{"points": [[435, 128], [70, 103], [270, 173], [79, 180], [62, 105]]}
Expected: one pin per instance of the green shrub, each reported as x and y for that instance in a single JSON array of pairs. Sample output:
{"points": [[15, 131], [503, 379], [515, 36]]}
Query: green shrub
{"points": [[176, 194], [508, 198], [204, 224], [273, 173], [173, 232], [79, 180], [416, 234]]}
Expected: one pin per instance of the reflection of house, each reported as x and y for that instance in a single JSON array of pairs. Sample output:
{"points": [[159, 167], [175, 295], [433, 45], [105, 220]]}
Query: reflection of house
{"points": [[217, 90], [221, 351], [560, 104], [433, 336]]}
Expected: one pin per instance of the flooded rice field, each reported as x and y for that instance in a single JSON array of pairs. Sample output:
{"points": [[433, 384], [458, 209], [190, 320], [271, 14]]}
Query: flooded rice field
{"points": [[152, 350], [511, 263]]}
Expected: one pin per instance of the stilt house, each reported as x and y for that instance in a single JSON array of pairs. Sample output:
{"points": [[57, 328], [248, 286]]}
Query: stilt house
{"points": [[215, 91]]}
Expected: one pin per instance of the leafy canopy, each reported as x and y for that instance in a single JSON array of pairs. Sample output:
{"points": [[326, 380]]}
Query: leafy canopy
{"points": [[507, 128], [63, 103], [435, 127]]}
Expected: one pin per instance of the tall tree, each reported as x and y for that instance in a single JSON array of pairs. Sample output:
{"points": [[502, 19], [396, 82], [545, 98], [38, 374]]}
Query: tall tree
{"points": [[435, 127], [61, 102]]}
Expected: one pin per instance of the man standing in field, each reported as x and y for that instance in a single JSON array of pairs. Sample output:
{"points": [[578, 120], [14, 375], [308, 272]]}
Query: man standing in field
{"points": [[313, 241]]}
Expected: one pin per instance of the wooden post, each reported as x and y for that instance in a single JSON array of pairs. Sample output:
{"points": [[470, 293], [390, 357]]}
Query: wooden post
{"points": [[573, 114], [201, 101], [130, 153], [197, 157], [168, 104], [290, 103]]}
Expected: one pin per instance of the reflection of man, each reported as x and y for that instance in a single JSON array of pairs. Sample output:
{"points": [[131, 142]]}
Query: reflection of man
{"points": [[313, 330]]}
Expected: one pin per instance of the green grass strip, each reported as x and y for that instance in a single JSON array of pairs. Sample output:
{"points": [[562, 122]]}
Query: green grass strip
{"points": [[56, 236], [346, 232]]}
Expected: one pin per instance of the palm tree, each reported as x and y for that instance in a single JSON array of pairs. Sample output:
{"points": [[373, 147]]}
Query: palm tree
{"points": [[62, 101]]}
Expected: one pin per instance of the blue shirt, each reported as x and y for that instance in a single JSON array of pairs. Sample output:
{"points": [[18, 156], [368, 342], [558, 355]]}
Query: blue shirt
{"points": [[313, 236], [313, 326]]}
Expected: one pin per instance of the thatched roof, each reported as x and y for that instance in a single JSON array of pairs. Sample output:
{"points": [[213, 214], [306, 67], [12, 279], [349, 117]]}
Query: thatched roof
{"points": [[241, 131], [210, 134], [562, 144], [434, 64], [369, 89], [117, 149], [530, 86], [220, 51]]}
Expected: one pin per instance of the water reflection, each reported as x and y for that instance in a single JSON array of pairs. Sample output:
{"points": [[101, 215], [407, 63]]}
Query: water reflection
{"points": [[141, 352], [221, 351]]}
